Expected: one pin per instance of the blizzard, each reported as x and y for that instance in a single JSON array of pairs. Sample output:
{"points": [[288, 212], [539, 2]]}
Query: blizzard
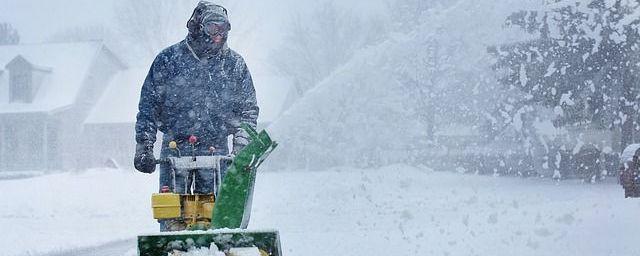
{"points": [[404, 127], [393, 210]]}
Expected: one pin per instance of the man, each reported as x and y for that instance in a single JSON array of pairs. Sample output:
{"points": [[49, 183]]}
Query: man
{"points": [[197, 87]]}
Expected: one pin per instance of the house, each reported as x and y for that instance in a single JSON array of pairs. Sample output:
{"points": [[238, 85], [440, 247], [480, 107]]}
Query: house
{"points": [[46, 93]]}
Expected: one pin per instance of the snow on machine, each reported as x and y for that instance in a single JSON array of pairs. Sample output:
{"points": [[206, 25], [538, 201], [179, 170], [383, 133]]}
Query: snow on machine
{"points": [[215, 223]]}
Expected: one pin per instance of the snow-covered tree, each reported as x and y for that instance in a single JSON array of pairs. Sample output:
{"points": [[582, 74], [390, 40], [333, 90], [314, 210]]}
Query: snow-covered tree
{"points": [[583, 62], [445, 81], [8, 34]]}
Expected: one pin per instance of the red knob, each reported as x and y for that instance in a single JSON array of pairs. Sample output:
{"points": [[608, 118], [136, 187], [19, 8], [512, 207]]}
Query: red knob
{"points": [[165, 189], [193, 139]]}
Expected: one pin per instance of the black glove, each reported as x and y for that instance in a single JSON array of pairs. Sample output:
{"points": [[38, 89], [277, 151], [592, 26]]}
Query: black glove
{"points": [[240, 140], [144, 161]]}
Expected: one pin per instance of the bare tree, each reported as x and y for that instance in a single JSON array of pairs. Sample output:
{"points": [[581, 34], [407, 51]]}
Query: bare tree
{"points": [[317, 45], [148, 26], [8, 34]]}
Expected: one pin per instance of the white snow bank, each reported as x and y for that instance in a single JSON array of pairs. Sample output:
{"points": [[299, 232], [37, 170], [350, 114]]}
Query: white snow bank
{"points": [[64, 211]]}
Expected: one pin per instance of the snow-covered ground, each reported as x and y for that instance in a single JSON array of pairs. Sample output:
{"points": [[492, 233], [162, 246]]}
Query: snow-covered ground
{"points": [[62, 211], [396, 210]]}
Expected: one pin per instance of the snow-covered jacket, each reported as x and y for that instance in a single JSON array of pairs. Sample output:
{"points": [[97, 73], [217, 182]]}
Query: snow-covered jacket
{"points": [[184, 95]]}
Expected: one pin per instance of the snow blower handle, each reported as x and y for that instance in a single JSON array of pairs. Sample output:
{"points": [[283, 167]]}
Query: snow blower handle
{"points": [[197, 162], [194, 161]]}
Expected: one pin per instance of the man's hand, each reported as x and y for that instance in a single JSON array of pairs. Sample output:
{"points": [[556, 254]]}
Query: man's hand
{"points": [[240, 140], [144, 161]]}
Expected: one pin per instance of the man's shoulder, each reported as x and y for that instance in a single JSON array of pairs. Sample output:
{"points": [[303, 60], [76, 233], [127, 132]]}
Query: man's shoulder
{"points": [[173, 50], [237, 59], [234, 55]]}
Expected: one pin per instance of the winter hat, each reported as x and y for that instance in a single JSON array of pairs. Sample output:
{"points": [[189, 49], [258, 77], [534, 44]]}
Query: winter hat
{"points": [[200, 43], [206, 11]]}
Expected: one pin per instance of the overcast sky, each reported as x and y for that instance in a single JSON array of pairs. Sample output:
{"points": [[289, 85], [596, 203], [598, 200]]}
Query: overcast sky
{"points": [[38, 19]]}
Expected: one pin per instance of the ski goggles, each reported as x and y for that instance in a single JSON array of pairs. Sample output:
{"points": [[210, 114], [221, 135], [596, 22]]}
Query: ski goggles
{"points": [[214, 28]]}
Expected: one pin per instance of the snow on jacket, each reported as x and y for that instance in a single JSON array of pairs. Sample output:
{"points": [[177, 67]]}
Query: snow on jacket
{"points": [[184, 95]]}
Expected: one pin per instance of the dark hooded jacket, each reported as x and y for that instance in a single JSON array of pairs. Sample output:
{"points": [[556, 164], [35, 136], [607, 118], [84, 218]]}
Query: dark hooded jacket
{"points": [[194, 91]]}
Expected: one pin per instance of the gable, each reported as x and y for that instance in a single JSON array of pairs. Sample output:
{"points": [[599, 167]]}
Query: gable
{"points": [[66, 64], [18, 63], [25, 79]]}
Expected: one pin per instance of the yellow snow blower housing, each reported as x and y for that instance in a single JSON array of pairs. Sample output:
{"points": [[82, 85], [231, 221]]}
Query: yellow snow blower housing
{"points": [[188, 211], [166, 206]]}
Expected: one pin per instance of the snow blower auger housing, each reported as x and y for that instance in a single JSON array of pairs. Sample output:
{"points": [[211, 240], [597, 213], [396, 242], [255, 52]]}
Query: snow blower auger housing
{"points": [[208, 221]]}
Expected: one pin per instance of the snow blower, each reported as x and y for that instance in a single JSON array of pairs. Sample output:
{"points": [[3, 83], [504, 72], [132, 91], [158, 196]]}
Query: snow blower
{"points": [[213, 222]]}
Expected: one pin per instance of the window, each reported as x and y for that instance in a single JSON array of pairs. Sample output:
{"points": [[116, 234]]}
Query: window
{"points": [[20, 86]]}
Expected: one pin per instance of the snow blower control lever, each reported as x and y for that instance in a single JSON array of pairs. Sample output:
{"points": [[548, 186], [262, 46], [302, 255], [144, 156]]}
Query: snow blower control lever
{"points": [[196, 164]]}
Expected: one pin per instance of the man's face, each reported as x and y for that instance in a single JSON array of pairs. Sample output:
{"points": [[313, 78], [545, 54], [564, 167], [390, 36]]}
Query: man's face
{"points": [[216, 29]]}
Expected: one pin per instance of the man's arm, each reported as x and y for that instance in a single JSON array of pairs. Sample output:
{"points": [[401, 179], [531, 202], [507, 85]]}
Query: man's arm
{"points": [[147, 118], [246, 109], [149, 105]]}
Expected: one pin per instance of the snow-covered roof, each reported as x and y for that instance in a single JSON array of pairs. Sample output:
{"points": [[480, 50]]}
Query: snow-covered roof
{"points": [[119, 102], [68, 63]]}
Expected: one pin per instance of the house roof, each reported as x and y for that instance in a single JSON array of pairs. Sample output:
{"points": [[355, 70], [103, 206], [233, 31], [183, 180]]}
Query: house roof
{"points": [[119, 102], [19, 60], [68, 63]]}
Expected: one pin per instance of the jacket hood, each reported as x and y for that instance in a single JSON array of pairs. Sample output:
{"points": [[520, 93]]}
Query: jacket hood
{"points": [[204, 12], [199, 42]]}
